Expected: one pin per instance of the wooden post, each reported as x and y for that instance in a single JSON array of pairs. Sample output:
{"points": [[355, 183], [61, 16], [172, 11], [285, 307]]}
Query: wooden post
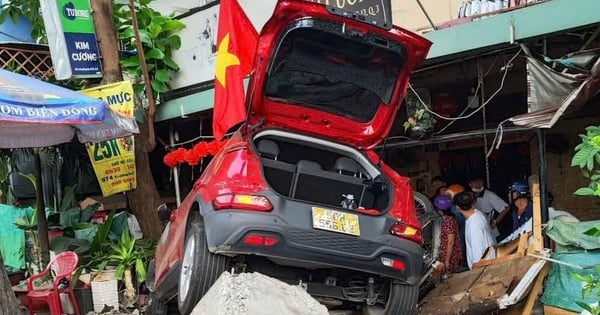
{"points": [[538, 240]]}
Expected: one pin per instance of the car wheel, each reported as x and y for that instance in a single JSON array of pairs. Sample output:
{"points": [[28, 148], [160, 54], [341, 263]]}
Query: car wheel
{"points": [[199, 269], [422, 203], [155, 306], [403, 300]]}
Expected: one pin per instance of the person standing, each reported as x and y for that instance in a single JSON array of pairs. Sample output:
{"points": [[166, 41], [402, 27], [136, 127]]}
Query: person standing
{"points": [[450, 250], [493, 207], [521, 203], [478, 234]]}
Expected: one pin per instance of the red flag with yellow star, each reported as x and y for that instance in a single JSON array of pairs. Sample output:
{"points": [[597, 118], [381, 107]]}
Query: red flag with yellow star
{"points": [[236, 47]]}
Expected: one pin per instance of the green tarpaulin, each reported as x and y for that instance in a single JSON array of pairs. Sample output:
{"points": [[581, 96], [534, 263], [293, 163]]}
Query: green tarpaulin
{"points": [[12, 239]]}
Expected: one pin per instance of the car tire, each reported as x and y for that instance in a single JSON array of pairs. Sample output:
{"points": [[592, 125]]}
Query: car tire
{"points": [[422, 203], [199, 268], [155, 306], [403, 300]]}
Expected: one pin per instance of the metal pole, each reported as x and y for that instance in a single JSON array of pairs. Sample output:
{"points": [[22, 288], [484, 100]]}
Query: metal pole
{"points": [[541, 135], [42, 225], [175, 169], [426, 15]]}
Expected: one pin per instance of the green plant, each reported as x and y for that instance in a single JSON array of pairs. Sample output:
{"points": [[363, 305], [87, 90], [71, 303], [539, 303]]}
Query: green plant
{"points": [[128, 254], [587, 158], [157, 34], [30, 10], [4, 178]]}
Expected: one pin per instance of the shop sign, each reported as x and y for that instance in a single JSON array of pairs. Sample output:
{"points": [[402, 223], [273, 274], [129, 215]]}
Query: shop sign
{"points": [[72, 38], [114, 160]]}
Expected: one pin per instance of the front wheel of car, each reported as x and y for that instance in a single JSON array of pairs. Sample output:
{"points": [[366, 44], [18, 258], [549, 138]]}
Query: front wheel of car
{"points": [[155, 306], [199, 268]]}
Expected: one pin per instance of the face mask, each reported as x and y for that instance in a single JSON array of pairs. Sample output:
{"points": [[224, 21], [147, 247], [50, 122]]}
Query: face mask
{"points": [[478, 190]]}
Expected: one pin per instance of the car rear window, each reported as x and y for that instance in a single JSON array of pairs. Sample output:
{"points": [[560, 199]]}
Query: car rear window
{"points": [[322, 65]]}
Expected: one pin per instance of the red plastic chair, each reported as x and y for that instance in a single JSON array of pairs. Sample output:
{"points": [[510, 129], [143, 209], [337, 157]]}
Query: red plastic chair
{"points": [[62, 267]]}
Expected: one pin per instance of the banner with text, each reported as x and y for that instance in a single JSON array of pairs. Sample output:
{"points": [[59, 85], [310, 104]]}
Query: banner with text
{"points": [[71, 38], [114, 160]]}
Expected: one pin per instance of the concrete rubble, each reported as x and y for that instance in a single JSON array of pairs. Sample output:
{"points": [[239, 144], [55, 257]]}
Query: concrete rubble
{"points": [[256, 294]]}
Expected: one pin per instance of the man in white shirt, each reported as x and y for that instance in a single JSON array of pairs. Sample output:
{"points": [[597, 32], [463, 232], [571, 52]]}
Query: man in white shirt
{"points": [[478, 234], [489, 203]]}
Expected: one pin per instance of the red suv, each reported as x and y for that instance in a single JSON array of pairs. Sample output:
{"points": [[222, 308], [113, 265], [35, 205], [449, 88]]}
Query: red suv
{"points": [[298, 192]]}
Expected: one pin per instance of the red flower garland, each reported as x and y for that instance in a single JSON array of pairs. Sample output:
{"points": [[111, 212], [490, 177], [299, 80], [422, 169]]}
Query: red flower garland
{"points": [[194, 155]]}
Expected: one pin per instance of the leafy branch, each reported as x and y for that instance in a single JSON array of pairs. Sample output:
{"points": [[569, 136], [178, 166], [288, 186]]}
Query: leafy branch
{"points": [[159, 39], [587, 158]]}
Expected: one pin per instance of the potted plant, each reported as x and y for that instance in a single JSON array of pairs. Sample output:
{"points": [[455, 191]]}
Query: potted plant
{"points": [[129, 255]]}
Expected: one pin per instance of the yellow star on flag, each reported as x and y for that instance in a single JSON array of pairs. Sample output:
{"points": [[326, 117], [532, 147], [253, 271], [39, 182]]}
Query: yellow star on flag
{"points": [[224, 60]]}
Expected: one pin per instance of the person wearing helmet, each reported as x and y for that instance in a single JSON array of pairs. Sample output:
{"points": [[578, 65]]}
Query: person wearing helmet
{"points": [[521, 204], [493, 207], [451, 254], [478, 234]]}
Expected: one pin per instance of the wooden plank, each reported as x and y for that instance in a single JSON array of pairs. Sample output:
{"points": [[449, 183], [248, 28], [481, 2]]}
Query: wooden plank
{"points": [[537, 288], [538, 240], [505, 255]]}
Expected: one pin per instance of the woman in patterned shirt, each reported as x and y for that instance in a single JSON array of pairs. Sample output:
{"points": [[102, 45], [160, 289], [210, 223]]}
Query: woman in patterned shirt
{"points": [[450, 251]]}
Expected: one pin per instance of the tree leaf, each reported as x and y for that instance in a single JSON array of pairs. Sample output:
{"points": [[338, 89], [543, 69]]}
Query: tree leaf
{"points": [[158, 86], [154, 29], [170, 63], [595, 231], [173, 25], [155, 53], [175, 41], [3, 15], [585, 191], [584, 154], [127, 33], [163, 75], [145, 37], [584, 306]]}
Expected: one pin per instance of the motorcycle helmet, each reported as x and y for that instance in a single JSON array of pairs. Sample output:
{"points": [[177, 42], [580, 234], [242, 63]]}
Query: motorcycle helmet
{"points": [[521, 187], [454, 190], [442, 202]]}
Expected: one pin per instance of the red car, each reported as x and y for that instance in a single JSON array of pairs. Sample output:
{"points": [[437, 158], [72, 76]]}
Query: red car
{"points": [[298, 192]]}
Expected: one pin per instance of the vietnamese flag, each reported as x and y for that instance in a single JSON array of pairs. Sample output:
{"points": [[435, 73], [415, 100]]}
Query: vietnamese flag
{"points": [[236, 47]]}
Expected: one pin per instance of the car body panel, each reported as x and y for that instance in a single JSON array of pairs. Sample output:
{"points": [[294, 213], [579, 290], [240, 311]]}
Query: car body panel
{"points": [[281, 114]]}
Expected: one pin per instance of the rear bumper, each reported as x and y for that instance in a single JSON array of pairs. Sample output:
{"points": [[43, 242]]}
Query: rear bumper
{"points": [[226, 230]]}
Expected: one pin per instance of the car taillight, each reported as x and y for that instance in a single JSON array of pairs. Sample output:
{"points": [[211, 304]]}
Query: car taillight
{"points": [[393, 263], [408, 232], [242, 202], [260, 240]]}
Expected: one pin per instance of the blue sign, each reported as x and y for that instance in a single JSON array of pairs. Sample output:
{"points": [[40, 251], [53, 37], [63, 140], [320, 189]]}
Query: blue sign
{"points": [[83, 54]]}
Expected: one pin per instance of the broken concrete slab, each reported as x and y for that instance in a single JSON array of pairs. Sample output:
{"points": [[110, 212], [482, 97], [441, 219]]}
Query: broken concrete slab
{"points": [[256, 294]]}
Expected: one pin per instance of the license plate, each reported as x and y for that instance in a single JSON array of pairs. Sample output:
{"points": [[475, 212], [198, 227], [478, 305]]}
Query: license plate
{"points": [[335, 221]]}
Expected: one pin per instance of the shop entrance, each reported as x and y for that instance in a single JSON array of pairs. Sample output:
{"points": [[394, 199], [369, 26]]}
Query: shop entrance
{"points": [[509, 163]]}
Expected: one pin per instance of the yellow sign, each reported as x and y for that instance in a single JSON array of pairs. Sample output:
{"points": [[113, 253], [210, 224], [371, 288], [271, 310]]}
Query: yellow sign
{"points": [[114, 160]]}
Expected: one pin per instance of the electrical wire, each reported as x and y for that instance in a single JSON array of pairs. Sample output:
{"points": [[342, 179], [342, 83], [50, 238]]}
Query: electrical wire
{"points": [[506, 68]]}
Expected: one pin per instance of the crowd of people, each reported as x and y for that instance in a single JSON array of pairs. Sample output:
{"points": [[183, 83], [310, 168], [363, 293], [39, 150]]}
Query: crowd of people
{"points": [[476, 218]]}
